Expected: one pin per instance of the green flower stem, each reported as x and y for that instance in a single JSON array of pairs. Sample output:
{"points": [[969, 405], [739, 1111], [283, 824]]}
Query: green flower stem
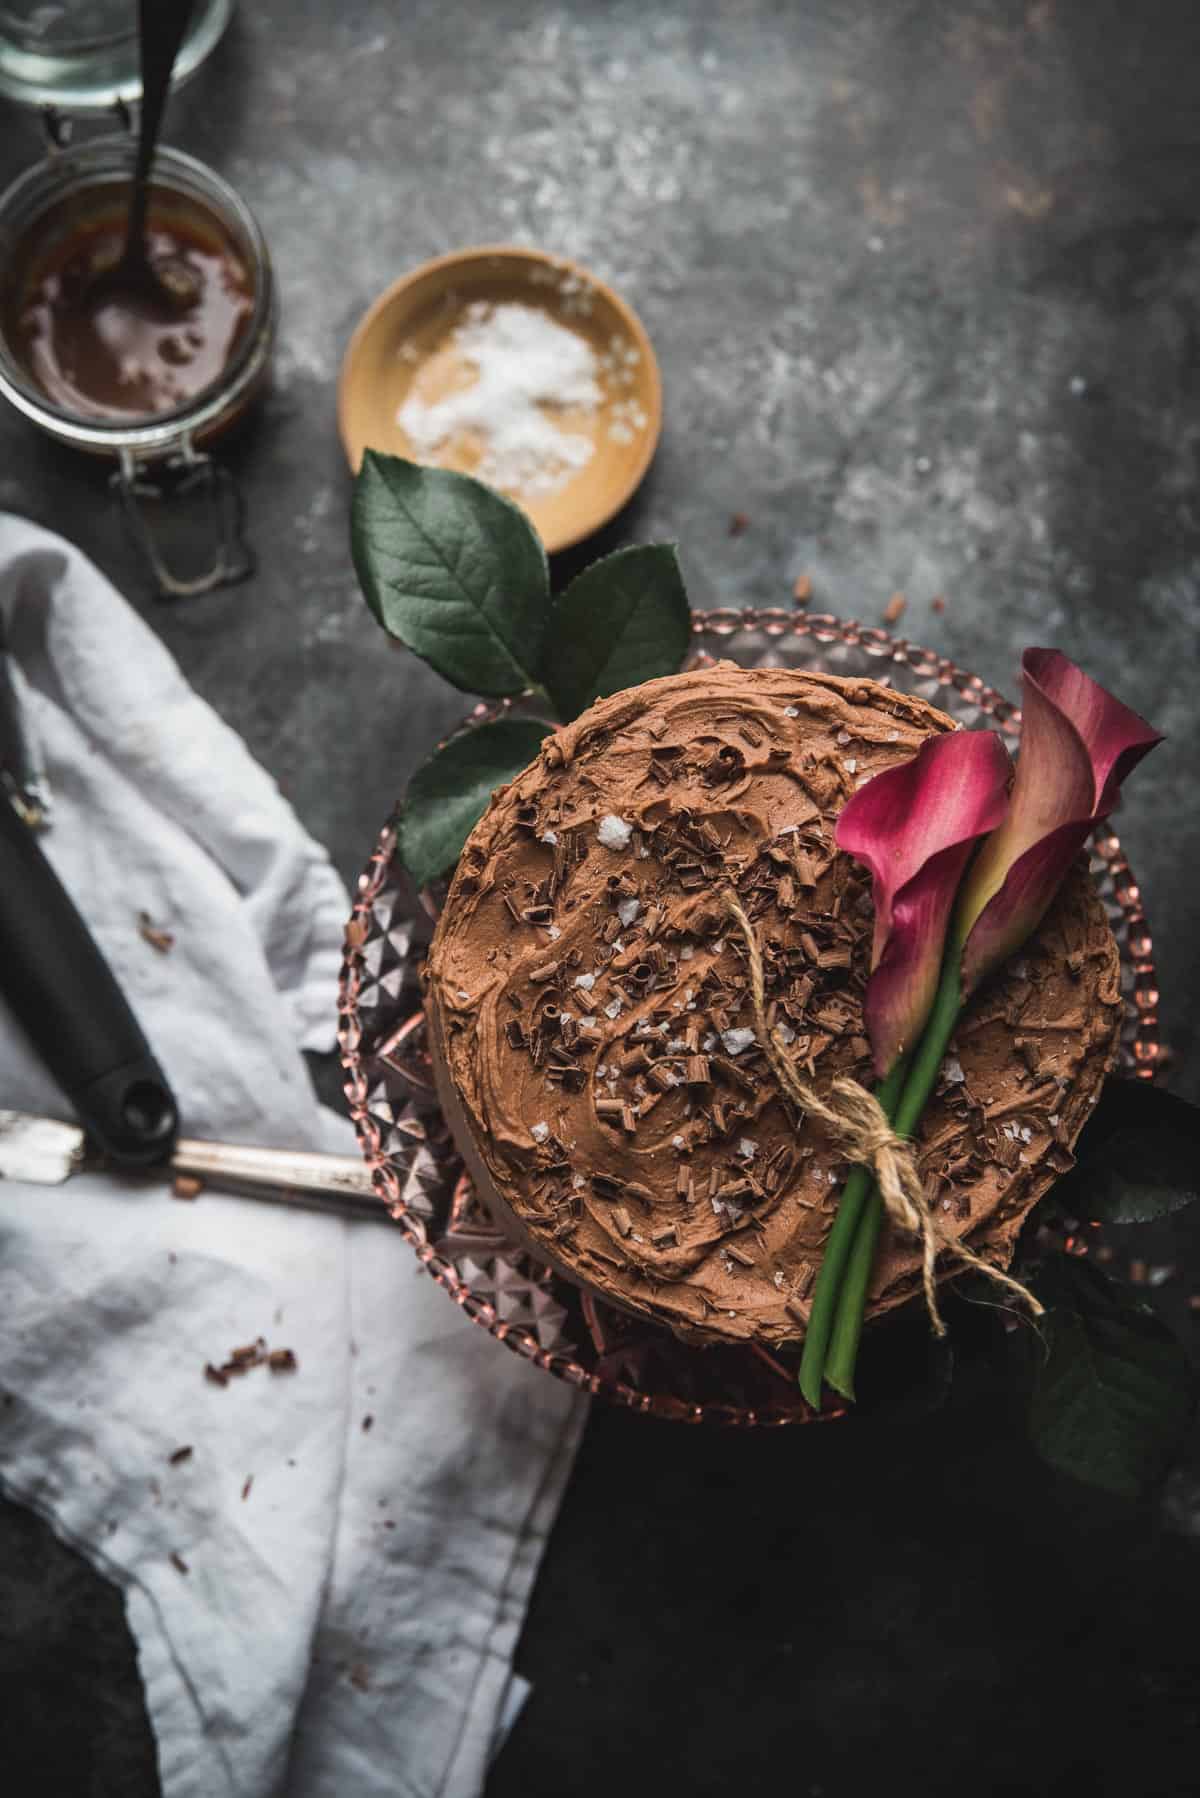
{"points": [[833, 1261], [923, 1073]]}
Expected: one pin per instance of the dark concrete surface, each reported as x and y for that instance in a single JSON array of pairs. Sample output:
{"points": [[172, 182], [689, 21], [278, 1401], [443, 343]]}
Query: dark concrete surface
{"points": [[924, 284]]}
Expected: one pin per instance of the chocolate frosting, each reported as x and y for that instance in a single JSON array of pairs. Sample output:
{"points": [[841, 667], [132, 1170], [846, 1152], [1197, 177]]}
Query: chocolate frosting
{"points": [[591, 1024]]}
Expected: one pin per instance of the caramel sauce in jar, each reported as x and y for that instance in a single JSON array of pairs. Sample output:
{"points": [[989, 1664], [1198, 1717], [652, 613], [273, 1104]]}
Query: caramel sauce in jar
{"points": [[124, 356]]}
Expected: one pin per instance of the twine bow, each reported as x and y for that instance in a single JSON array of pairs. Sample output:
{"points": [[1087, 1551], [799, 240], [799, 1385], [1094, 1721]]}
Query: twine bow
{"points": [[857, 1120]]}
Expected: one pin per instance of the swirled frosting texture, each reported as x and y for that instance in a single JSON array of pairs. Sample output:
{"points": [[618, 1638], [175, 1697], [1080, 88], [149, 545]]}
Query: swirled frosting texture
{"points": [[591, 1021]]}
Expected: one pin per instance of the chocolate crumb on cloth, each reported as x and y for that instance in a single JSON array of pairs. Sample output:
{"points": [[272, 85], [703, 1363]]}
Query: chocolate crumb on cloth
{"points": [[611, 1099]]}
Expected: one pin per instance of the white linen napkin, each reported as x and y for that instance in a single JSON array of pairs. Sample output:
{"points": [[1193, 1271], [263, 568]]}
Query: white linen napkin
{"points": [[320, 1608]]}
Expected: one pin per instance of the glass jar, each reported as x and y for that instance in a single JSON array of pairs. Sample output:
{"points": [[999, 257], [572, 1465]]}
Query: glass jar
{"points": [[58, 196], [77, 56]]}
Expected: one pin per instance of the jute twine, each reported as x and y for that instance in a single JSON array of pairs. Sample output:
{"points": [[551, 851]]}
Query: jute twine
{"points": [[857, 1120]]}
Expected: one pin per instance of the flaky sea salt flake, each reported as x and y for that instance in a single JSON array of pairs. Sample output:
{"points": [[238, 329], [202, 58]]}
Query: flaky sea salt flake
{"points": [[613, 832], [540, 1132], [737, 1041], [628, 909]]}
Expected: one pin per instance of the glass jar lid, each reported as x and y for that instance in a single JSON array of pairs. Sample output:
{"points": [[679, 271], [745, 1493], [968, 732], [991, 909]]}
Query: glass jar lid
{"points": [[82, 55]]}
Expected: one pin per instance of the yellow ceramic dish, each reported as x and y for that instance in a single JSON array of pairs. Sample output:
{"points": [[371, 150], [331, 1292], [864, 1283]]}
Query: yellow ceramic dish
{"points": [[407, 351]]}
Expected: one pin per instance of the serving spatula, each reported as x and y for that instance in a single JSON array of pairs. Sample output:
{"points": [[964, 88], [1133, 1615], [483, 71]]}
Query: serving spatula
{"points": [[46, 1152], [64, 993]]}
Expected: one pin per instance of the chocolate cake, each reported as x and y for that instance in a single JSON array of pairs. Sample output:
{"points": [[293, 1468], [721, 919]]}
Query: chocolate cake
{"points": [[591, 1026]]}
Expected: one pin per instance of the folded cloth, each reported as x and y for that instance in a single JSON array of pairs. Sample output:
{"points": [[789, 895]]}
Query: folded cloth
{"points": [[319, 1608]]}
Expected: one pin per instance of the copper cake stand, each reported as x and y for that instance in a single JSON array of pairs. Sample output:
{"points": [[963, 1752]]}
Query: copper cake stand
{"points": [[417, 1170]]}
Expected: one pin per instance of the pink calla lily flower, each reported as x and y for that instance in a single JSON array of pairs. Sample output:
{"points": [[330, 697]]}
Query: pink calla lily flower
{"points": [[914, 827], [1077, 745]]}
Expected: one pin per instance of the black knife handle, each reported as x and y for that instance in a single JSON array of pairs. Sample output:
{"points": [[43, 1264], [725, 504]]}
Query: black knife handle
{"points": [[63, 992]]}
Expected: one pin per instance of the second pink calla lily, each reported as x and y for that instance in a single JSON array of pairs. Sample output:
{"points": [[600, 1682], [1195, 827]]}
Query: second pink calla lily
{"points": [[915, 827], [1077, 745]]}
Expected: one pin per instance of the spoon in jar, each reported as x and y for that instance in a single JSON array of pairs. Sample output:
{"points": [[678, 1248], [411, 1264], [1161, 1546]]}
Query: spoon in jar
{"points": [[166, 283]]}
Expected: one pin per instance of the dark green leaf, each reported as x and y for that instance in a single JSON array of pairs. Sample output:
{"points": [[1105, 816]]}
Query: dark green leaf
{"points": [[453, 570], [1138, 1159], [1113, 1393], [1140, 1176], [449, 793], [622, 621]]}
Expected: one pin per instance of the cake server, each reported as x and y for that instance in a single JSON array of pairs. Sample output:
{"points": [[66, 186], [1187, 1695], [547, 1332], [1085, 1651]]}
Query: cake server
{"points": [[65, 995], [46, 1152]]}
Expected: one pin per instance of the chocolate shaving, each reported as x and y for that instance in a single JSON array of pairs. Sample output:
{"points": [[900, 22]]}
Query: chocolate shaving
{"points": [[163, 940]]}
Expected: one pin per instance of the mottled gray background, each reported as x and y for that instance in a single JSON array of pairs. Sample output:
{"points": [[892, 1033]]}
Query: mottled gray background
{"points": [[923, 281]]}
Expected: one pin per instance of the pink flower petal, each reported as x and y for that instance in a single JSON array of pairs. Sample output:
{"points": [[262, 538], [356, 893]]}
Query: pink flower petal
{"points": [[1077, 745], [1114, 737], [914, 827]]}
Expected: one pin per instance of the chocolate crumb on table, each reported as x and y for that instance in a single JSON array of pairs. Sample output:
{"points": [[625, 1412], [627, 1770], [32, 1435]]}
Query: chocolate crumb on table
{"points": [[894, 609], [178, 1561], [739, 523], [250, 1355], [180, 1455], [186, 1186], [162, 940]]}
